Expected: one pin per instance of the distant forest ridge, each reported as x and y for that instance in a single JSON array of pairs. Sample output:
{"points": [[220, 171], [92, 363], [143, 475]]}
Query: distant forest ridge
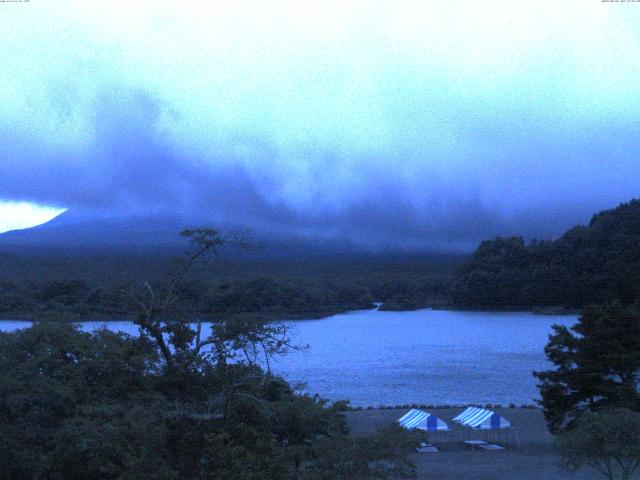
{"points": [[88, 287], [587, 265]]}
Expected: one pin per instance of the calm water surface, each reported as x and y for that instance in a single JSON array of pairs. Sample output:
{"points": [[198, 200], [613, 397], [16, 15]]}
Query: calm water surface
{"points": [[426, 356]]}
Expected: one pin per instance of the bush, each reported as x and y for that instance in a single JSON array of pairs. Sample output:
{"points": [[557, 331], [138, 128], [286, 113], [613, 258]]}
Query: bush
{"points": [[104, 405], [607, 441]]}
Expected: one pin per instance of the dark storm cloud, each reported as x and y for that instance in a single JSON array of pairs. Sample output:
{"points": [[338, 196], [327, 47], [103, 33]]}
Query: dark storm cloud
{"points": [[398, 125], [130, 166]]}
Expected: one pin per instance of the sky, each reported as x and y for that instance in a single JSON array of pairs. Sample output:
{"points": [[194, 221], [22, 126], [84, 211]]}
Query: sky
{"points": [[415, 124]]}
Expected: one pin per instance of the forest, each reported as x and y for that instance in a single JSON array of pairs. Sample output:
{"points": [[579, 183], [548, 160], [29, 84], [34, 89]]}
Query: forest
{"points": [[587, 265], [63, 287], [189, 406], [173, 403]]}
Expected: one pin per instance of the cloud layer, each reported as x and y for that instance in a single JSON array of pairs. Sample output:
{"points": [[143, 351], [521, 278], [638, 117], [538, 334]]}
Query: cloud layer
{"points": [[409, 124]]}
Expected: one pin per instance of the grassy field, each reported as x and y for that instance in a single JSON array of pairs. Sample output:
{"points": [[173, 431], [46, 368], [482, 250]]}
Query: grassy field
{"points": [[530, 453]]}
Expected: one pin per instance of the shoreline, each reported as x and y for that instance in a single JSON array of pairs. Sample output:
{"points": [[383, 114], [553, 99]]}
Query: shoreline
{"points": [[444, 406], [530, 453], [542, 311]]}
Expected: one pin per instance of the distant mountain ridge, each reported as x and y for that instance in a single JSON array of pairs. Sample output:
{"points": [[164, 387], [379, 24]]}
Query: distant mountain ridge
{"points": [[587, 265], [81, 232], [71, 230]]}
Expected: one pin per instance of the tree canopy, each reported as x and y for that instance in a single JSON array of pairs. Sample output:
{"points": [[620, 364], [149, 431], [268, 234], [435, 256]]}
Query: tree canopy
{"points": [[597, 365], [587, 265], [172, 403], [607, 441]]}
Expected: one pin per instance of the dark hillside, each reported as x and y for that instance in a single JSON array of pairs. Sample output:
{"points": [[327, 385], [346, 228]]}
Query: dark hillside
{"points": [[37, 285], [588, 264]]}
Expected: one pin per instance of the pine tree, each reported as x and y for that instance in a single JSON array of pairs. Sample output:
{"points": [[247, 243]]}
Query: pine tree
{"points": [[597, 365]]}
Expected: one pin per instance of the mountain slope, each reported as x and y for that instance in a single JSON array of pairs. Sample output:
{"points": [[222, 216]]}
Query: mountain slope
{"points": [[81, 232], [588, 264], [72, 230]]}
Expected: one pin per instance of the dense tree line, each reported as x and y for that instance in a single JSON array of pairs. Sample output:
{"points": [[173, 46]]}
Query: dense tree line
{"points": [[276, 297], [90, 288], [587, 265]]}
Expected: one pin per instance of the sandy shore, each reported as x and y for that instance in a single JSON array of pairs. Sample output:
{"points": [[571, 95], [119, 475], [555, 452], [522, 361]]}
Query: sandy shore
{"points": [[530, 453]]}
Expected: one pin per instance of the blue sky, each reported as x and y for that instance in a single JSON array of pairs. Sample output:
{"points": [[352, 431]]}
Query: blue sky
{"points": [[417, 123]]}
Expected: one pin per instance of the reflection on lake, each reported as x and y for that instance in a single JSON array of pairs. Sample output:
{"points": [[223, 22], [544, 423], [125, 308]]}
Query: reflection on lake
{"points": [[427, 356]]}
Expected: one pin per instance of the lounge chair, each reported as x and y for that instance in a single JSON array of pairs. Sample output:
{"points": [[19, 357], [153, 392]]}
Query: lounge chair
{"points": [[427, 448]]}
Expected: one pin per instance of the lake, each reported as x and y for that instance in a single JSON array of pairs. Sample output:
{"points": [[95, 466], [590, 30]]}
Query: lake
{"points": [[426, 356]]}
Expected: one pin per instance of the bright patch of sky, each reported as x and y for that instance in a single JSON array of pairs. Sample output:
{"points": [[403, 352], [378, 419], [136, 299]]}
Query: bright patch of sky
{"points": [[15, 216]]}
